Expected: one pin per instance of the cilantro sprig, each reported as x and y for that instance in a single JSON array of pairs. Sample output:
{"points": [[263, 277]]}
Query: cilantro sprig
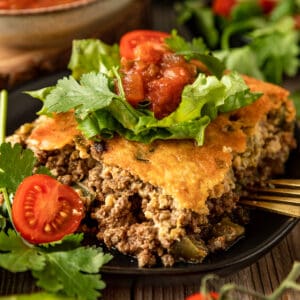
{"points": [[64, 268], [59, 268]]}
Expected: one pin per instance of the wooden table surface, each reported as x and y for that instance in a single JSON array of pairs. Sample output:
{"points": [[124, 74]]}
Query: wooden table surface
{"points": [[263, 275]]}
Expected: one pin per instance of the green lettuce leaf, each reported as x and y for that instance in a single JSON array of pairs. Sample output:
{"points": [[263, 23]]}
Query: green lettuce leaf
{"points": [[90, 55], [101, 112]]}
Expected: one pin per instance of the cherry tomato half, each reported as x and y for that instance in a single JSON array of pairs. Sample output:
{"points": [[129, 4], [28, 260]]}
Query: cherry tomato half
{"points": [[45, 210], [223, 7], [201, 296], [132, 39]]}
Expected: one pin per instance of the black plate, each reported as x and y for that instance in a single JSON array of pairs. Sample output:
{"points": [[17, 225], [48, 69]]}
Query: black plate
{"points": [[264, 231]]}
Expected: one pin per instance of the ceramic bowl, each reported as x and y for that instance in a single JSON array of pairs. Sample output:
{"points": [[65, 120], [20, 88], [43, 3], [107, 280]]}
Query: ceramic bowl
{"points": [[57, 26]]}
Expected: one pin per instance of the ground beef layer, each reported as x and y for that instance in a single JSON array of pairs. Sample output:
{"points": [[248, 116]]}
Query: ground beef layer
{"points": [[141, 219]]}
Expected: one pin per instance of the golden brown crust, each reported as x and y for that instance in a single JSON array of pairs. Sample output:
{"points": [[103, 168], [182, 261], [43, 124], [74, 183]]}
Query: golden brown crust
{"points": [[187, 172], [180, 168], [183, 170]]}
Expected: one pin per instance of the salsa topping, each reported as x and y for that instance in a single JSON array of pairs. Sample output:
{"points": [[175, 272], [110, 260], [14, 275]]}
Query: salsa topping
{"points": [[157, 75], [166, 95]]}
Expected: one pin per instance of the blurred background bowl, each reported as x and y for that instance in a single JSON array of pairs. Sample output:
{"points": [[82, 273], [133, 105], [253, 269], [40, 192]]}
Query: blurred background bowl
{"points": [[57, 26]]}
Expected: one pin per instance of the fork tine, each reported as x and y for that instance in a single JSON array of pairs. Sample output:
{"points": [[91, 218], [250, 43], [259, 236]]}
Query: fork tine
{"points": [[274, 198], [278, 191], [293, 183], [281, 196], [285, 209]]}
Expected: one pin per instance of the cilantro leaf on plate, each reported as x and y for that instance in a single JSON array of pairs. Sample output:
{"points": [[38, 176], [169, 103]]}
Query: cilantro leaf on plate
{"points": [[73, 272], [66, 267], [15, 164], [16, 256]]}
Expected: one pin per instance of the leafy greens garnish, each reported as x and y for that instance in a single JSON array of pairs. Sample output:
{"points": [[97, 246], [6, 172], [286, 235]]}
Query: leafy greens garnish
{"points": [[64, 267], [100, 111], [260, 58], [262, 45], [196, 49], [16, 164], [72, 272], [93, 55]]}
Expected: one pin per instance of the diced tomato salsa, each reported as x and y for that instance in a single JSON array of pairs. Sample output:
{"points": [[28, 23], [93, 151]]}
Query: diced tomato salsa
{"points": [[156, 75]]}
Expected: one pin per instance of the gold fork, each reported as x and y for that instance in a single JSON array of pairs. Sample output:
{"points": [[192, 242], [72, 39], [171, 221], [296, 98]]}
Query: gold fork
{"points": [[281, 196]]}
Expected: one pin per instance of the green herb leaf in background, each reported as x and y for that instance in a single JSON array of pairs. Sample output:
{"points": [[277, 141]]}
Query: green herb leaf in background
{"points": [[264, 46]]}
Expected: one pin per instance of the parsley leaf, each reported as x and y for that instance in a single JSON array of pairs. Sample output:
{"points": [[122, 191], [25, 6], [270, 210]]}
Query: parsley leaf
{"points": [[16, 164]]}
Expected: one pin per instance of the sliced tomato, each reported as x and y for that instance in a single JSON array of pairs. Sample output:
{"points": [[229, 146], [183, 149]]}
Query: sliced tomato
{"points": [[132, 39], [45, 210], [223, 7]]}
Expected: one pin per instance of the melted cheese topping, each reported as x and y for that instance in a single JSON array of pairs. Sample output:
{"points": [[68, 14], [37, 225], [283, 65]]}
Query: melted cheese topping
{"points": [[53, 133]]}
